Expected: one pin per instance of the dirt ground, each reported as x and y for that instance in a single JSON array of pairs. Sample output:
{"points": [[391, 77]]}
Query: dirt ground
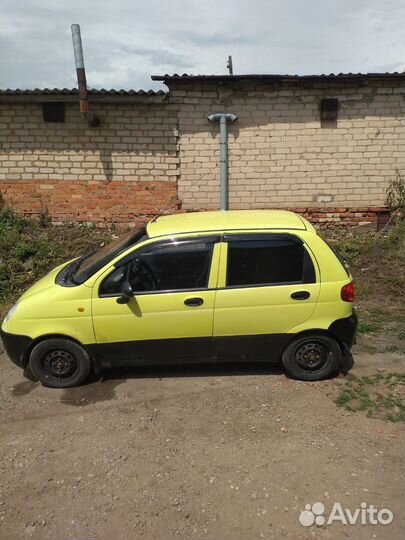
{"points": [[203, 452]]}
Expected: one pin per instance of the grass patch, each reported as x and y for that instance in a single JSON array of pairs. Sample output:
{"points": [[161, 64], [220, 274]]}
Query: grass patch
{"points": [[394, 349], [376, 261], [377, 320], [367, 328], [377, 311], [379, 396], [31, 248]]}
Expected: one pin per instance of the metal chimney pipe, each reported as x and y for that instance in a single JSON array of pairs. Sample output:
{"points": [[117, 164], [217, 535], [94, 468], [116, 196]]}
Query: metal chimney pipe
{"points": [[81, 76], [223, 119]]}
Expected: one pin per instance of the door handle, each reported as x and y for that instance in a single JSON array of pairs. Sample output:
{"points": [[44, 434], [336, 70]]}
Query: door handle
{"points": [[193, 302], [300, 295]]}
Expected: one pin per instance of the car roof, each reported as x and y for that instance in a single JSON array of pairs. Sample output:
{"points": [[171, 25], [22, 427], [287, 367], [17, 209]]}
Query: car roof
{"points": [[194, 222]]}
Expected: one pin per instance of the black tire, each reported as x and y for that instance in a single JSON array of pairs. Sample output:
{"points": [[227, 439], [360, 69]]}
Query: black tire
{"points": [[59, 363], [312, 357]]}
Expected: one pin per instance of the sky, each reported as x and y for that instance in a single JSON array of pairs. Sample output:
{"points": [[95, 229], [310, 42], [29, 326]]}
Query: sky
{"points": [[126, 41]]}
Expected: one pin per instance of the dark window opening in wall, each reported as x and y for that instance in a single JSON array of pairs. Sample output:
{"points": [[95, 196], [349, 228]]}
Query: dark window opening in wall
{"points": [[53, 111], [329, 112]]}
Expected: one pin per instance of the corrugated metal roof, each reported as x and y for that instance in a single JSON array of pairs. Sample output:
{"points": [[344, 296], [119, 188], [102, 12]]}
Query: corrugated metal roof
{"points": [[41, 95], [75, 91], [277, 78]]}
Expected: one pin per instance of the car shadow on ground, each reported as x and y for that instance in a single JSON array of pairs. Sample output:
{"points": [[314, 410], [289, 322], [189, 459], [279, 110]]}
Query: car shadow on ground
{"points": [[192, 370], [104, 389], [103, 386]]}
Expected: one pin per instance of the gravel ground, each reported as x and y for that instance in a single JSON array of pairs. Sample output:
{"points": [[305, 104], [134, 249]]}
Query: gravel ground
{"points": [[203, 452]]}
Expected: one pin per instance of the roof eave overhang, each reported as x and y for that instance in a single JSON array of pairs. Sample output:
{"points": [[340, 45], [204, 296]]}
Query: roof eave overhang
{"points": [[115, 99], [303, 80]]}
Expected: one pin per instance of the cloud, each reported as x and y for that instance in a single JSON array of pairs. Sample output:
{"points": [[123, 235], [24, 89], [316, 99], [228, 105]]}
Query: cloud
{"points": [[125, 41]]}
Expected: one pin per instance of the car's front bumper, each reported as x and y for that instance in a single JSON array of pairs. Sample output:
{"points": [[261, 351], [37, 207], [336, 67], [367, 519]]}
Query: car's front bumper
{"points": [[16, 347]]}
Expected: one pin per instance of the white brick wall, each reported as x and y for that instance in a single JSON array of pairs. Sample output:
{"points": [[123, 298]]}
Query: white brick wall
{"points": [[133, 142], [281, 156]]}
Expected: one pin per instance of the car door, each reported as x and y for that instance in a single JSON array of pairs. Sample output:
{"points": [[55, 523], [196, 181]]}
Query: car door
{"points": [[268, 285], [170, 316]]}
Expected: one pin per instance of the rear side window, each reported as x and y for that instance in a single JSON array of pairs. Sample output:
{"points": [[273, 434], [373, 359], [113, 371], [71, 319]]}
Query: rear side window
{"points": [[268, 262]]}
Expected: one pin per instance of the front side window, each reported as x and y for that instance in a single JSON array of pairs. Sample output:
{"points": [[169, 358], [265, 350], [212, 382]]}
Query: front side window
{"points": [[268, 262], [165, 267], [89, 264], [81, 269]]}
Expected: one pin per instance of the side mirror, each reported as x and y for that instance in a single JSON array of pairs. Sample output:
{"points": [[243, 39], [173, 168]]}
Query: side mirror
{"points": [[126, 293]]}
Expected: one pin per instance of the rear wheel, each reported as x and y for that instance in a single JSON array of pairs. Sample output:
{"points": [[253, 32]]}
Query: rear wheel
{"points": [[312, 357], [60, 363]]}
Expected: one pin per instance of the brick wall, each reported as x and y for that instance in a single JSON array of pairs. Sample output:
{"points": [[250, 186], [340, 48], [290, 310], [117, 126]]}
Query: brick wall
{"points": [[146, 155], [125, 168], [280, 155], [103, 203]]}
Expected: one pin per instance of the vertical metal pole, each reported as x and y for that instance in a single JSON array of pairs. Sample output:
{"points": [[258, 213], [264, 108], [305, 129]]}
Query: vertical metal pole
{"points": [[223, 133], [81, 74], [230, 65], [223, 119]]}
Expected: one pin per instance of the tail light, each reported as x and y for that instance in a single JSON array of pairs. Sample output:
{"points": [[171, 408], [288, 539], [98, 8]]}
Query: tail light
{"points": [[348, 292]]}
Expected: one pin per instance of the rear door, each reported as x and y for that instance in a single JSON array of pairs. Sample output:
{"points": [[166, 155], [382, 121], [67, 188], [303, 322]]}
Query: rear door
{"points": [[268, 285]]}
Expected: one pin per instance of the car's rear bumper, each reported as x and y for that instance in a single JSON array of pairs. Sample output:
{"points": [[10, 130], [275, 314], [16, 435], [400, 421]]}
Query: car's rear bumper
{"points": [[16, 347], [345, 331], [347, 361]]}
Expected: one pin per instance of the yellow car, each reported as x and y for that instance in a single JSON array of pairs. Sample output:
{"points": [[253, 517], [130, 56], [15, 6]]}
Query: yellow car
{"points": [[207, 286]]}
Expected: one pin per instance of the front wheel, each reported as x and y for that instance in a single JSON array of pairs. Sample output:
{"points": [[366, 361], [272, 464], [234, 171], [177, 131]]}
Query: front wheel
{"points": [[312, 357], [59, 363]]}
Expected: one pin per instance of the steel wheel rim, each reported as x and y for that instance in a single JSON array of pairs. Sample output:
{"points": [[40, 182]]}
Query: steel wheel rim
{"points": [[312, 355], [59, 364]]}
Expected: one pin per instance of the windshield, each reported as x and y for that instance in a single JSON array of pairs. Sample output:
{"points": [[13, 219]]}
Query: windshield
{"points": [[89, 264]]}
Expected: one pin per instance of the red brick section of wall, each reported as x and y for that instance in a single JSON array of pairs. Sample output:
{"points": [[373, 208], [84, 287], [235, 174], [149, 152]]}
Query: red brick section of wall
{"points": [[125, 203], [330, 217], [325, 217], [102, 203]]}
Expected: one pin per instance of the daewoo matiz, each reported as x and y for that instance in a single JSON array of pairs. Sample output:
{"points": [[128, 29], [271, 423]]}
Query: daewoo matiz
{"points": [[209, 286]]}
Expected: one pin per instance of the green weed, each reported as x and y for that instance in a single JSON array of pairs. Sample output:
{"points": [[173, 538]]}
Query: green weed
{"points": [[367, 328], [379, 395], [30, 248]]}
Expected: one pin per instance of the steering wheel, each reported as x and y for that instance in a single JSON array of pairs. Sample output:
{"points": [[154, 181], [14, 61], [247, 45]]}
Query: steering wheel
{"points": [[143, 277]]}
